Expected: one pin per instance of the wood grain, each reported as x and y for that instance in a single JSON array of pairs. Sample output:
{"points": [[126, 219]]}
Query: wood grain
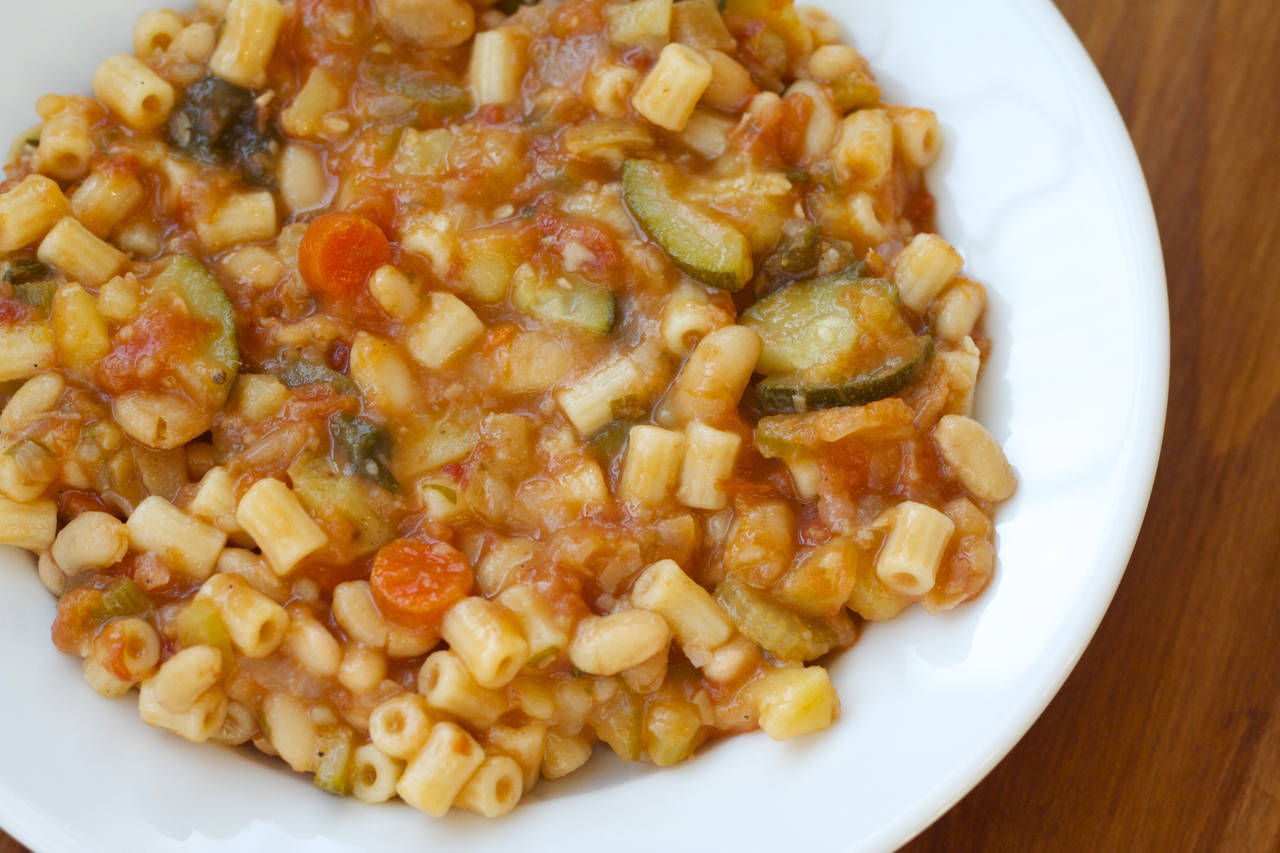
{"points": [[1167, 735]]}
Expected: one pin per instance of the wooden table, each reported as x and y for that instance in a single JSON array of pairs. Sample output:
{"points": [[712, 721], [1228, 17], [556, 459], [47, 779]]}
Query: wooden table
{"points": [[1167, 735]]}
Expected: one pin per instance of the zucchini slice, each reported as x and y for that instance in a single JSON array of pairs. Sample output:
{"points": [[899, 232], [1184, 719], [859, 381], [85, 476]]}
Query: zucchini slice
{"points": [[207, 300], [809, 324], [838, 340], [701, 245], [348, 504], [785, 394], [777, 629], [37, 293], [566, 300]]}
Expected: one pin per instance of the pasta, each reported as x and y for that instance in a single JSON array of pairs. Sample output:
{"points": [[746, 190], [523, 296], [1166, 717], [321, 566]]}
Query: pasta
{"points": [[424, 392]]}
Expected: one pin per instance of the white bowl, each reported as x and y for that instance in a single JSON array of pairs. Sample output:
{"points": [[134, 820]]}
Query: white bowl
{"points": [[1041, 191]]}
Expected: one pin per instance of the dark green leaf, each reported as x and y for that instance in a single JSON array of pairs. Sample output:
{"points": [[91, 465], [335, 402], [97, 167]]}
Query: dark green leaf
{"points": [[361, 448]]}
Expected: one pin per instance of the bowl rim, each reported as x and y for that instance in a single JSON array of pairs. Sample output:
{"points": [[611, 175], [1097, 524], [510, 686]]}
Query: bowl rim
{"points": [[1144, 436]]}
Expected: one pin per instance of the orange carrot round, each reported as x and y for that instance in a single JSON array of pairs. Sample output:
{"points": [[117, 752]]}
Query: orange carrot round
{"points": [[415, 582], [339, 251]]}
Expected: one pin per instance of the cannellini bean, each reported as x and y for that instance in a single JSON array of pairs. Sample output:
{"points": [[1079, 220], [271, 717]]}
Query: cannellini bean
{"points": [[428, 23], [606, 645], [976, 458], [90, 541]]}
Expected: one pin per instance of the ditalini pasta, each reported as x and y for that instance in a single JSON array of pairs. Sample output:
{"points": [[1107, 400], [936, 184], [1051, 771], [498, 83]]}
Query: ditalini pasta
{"points": [[423, 392]]}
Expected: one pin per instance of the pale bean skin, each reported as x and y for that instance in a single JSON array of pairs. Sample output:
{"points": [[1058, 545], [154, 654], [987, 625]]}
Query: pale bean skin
{"points": [[185, 676], [975, 457], [90, 541], [311, 644], [428, 23], [606, 645]]}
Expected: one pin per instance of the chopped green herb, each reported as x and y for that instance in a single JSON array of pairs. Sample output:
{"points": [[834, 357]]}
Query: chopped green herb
{"points": [[609, 442], [361, 448], [295, 371]]}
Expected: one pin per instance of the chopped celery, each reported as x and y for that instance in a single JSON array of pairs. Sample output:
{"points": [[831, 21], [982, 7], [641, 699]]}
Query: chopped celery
{"points": [[673, 728], [27, 271], [610, 441], [445, 99], [200, 624], [441, 98], [619, 722], [795, 256], [630, 407], [436, 439], [123, 597], [783, 633], [333, 768], [451, 495], [544, 657], [855, 91], [797, 252]]}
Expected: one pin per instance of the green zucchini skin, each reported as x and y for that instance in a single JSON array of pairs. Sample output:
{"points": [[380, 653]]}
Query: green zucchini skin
{"points": [[701, 246], [792, 394], [809, 324], [836, 340], [206, 300], [568, 300], [779, 630]]}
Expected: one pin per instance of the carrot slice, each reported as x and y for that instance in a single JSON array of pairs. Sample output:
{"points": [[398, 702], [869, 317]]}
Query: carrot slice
{"points": [[415, 582], [339, 251]]}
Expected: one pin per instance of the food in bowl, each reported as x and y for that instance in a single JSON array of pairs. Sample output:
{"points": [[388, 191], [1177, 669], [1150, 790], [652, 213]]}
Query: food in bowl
{"points": [[423, 392]]}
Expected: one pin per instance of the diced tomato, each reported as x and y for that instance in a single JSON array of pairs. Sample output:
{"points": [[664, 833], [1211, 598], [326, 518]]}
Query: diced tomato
{"points": [[796, 110], [776, 136], [493, 113], [79, 614], [416, 581], [604, 255], [14, 311], [920, 207], [339, 251], [500, 334], [339, 355], [375, 204], [72, 502], [147, 351], [561, 587]]}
